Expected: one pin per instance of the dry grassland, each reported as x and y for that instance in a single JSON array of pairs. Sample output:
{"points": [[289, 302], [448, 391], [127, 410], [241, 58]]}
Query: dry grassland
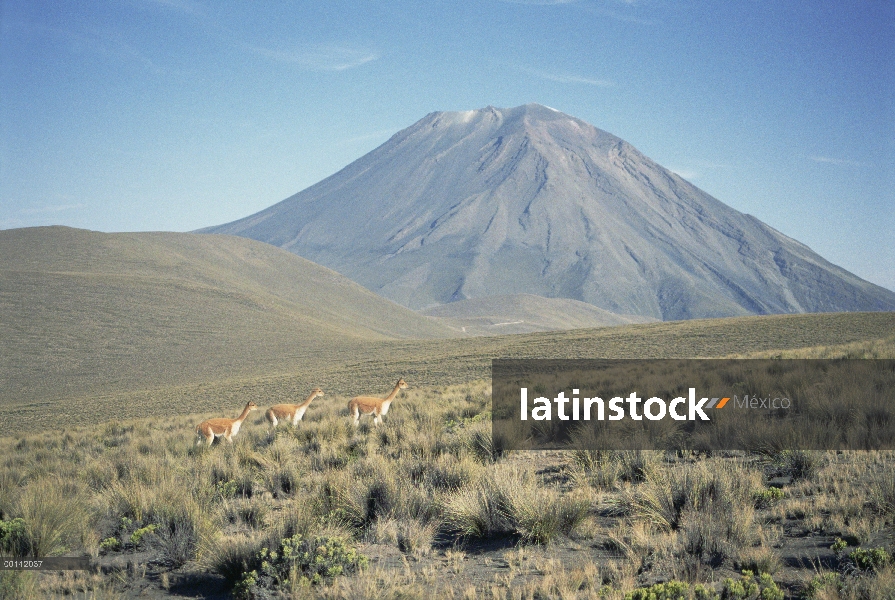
{"points": [[92, 387], [433, 507], [427, 505]]}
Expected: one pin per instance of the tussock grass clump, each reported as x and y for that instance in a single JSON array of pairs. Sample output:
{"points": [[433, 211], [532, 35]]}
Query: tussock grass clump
{"points": [[55, 516], [541, 515], [882, 490], [479, 510], [798, 464], [704, 512], [482, 444], [665, 496], [509, 500], [181, 528], [233, 557]]}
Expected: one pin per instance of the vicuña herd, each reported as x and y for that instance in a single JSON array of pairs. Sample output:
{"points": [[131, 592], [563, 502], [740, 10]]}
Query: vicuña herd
{"points": [[293, 413]]}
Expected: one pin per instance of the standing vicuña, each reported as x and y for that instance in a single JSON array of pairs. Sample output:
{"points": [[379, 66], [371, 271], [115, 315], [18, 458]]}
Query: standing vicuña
{"points": [[366, 405], [227, 428], [290, 412]]}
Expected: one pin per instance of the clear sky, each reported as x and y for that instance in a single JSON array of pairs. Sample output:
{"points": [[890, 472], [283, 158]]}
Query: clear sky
{"points": [[134, 115]]}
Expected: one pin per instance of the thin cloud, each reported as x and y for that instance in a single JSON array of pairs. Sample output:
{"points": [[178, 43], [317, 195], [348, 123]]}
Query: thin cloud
{"points": [[319, 58], [539, 2], [688, 174], [107, 42], [52, 209], [626, 11], [836, 161], [183, 6], [569, 78]]}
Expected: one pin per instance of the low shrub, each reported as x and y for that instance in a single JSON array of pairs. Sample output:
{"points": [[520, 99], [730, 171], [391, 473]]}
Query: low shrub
{"points": [[673, 590], [298, 562], [751, 587], [13, 540], [767, 498], [868, 559]]}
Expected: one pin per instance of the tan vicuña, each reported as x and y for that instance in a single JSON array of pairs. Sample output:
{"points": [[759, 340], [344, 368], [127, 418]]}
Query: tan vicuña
{"points": [[290, 412], [223, 427], [378, 407]]}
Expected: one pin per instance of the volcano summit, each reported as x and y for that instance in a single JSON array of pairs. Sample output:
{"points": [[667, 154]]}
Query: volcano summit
{"points": [[529, 200]]}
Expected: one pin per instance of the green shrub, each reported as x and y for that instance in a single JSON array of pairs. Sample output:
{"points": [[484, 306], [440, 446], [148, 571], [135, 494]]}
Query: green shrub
{"points": [[13, 540], [673, 590], [224, 490], [822, 582], [869, 559], [751, 587], [110, 544], [839, 546], [298, 562], [137, 536], [767, 498]]}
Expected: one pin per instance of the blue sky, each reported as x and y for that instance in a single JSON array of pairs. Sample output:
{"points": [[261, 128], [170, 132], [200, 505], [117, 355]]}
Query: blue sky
{"points": [[136, 115]]}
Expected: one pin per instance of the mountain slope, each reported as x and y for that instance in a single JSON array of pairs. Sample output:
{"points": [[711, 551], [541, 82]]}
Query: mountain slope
{"points": [[532, 201], [524, 313], [82, 311]]}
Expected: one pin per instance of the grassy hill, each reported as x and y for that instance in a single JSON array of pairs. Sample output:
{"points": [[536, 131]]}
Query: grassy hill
{"points": [[85, 313]]}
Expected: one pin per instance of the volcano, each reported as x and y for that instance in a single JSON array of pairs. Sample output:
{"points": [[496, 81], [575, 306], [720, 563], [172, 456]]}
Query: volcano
{"points": [[529, 200]]}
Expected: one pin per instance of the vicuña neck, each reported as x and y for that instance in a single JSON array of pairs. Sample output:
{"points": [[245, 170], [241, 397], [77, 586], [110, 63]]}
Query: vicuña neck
{"points": [[308, 400]]}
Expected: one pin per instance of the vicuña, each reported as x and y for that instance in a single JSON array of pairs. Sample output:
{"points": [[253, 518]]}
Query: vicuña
{"points": [[221, 426], [378, 407], [290, 412]]}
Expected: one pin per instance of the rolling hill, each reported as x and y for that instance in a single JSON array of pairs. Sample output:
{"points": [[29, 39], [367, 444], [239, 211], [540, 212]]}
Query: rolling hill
{"points": [[529, 200], [84, 312]]}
